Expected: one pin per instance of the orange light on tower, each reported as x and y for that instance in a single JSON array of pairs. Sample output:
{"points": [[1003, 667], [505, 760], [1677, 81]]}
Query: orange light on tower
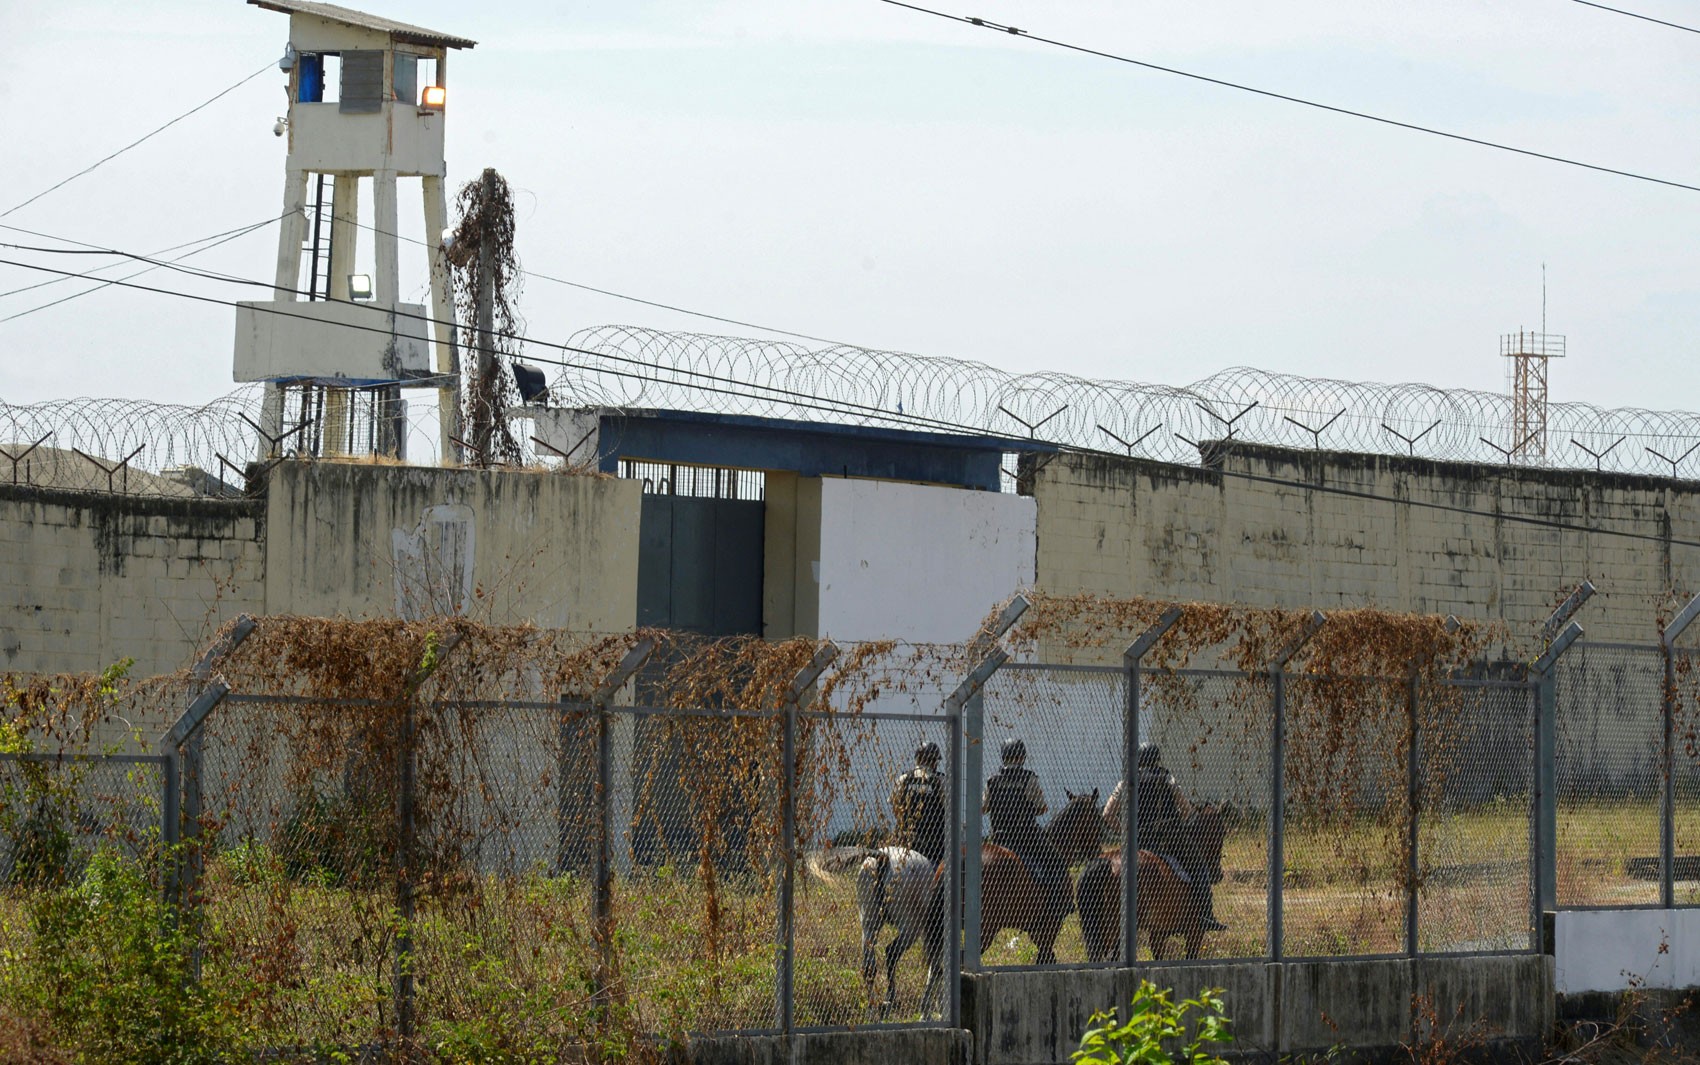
{"points": [[432, 98]]}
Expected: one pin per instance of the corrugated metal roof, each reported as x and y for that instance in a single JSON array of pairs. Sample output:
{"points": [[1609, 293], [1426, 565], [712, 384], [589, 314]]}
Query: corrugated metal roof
{"points": [[401, 31]]}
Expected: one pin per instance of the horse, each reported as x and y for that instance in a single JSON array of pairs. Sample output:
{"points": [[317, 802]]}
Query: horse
{"points": [[900, 887], [1168, 905], [1009, 897]]}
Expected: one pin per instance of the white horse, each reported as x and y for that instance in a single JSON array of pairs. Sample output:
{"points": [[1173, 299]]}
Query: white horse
{"points": [[899, 887]]}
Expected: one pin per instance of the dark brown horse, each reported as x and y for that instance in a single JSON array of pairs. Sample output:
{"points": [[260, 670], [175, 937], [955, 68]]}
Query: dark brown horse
{"points": [[1168, 905], [1009, 897]]}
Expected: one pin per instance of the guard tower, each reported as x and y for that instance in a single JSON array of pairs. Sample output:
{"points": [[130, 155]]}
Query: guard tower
{"points": [[367, 103], [1529, 354]]}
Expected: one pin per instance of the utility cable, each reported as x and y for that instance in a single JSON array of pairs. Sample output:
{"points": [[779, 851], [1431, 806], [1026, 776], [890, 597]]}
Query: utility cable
{"points": [[632, 299], [1644, 18], [217, 239], [746, 389], [836, 407], [139, 140], [1271, 94], [238, 231]]}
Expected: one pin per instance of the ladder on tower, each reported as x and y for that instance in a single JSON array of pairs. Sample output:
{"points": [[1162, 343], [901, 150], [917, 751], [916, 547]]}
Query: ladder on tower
{"points": [[319, 241]]}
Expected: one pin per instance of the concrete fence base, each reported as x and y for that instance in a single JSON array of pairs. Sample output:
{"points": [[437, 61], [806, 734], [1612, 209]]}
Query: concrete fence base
{"points": [[922, 1046], [1280, 1009], [1369, 1010]]}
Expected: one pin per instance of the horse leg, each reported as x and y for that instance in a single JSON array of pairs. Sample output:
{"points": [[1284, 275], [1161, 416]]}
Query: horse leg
{"points": [[1047, 950], [893, 953], [932, 994], [1194, 941], [870, 966]]}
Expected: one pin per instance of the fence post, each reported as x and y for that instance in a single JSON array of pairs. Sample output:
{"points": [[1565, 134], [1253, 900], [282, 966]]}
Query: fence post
{"points": [[406, 873], [177, 740], [953, 908], [185, 754], [1556, 637], [1545, 856], [1413, 796], [1667, 814], [1130, 770], [785, 988], [1278, 781], [965, 702], [603, 874]]}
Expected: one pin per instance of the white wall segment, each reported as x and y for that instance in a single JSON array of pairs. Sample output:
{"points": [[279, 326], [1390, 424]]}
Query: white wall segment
{"points": [[1614, 950], [918, 562]]}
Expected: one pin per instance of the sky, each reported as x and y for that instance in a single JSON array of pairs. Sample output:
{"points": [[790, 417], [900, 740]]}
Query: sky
{"points": [[853, 170]]}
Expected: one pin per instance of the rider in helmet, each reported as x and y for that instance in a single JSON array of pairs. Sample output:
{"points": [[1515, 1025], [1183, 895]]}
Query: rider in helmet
{"points": [[918, 804], [1014, 803], [1163, 814]]}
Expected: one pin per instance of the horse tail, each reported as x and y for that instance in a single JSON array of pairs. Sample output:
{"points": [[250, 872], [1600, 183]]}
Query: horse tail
{"points": [[1099, 898], [827, 864], [881, 885]]}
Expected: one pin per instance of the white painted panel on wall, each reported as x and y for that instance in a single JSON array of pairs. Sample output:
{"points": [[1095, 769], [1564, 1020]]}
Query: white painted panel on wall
{"points": [[918, 562], [1613, 950], [434, 562]]}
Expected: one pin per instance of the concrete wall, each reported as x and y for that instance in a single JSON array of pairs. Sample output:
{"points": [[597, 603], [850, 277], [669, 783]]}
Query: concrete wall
{"points": [[1122, 527], [1037, 1017], [791, 556], [1614, 950], [86, 580], [373, 541], [931, 1046], [918, 562]]}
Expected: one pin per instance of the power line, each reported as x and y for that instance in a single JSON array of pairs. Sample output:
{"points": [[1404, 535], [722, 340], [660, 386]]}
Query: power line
{"points": [[216, 239], [139, 140], [632, 299], [1270, 94], [238, 231], [813, 402], [1644, 18], [742, 388]]}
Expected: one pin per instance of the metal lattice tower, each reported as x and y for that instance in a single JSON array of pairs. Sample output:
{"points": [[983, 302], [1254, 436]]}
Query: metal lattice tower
{"points": [[1529, 353]]}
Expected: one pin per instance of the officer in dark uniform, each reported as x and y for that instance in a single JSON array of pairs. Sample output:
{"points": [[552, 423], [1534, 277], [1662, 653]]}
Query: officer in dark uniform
{"points": [[918, 804], [1163, 813], [1014, 802]]}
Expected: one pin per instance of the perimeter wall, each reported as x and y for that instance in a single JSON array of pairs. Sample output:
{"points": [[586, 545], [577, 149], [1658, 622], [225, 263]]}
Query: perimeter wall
{"points": [[1273, 527], [87, 579]]}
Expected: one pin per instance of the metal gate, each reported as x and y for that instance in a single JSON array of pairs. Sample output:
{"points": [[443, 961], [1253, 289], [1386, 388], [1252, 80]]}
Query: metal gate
{"points": [[700, 564]]}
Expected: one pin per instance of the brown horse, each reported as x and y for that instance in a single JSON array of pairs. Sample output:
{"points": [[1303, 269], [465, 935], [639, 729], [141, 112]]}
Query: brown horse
{"points": [[1009, 897], [1168, 905]]}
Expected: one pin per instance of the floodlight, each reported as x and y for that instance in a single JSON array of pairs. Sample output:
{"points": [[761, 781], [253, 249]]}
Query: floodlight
{"points": [[432, 98], [359, 286], [532, 387]]}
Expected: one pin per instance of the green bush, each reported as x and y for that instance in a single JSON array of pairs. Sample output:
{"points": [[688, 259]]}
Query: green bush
{"points": [[109, 972], [334, 841], [1157, 1031]]}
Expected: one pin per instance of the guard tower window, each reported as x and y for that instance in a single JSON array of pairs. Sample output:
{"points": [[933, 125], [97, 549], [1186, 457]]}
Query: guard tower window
{"points": [[405, 84], [362, 82]]}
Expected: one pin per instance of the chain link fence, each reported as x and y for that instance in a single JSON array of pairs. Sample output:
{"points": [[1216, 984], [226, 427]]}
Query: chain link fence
{"points": [[1609, 775], [60, 813], [582, 869]]}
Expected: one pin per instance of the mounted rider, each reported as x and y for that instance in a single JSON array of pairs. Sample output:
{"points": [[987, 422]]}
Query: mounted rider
{"points": [[1013, 803], [1164, 816], [918, 803]]}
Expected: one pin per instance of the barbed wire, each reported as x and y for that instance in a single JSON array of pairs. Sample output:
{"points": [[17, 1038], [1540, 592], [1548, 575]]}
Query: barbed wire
{"points": [[1155, 421], [150, 448]]}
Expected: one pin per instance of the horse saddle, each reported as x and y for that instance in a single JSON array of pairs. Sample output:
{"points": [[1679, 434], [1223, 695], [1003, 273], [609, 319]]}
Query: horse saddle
{"points": [[1177, 868]]}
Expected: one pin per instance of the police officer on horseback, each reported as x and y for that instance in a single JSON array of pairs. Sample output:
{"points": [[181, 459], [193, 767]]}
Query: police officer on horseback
{"points": [[1013, 803], [918, 805], [1163, 818]]}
